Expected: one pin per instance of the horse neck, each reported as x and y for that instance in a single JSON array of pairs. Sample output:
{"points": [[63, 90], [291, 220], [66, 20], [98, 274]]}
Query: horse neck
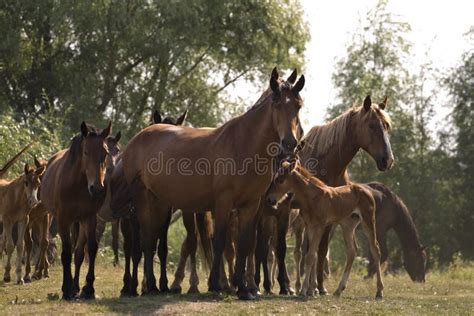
{"points": [[304, 189], [253, 131], [333, 164], [406, 230]]}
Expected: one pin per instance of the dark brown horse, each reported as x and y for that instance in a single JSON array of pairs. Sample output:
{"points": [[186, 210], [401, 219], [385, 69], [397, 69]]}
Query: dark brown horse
{"points": [[331, 147], [392, 213], [272, 120], [73, 190], [122, 207]]}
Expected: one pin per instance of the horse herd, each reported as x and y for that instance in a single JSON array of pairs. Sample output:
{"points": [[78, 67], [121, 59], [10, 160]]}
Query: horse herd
{"points": [[240, 188]]}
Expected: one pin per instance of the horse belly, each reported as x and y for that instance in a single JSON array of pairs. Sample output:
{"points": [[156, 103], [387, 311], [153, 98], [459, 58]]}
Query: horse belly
{"points": [[185, 192]]}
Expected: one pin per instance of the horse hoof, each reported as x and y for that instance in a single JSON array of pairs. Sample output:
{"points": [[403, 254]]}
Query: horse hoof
{"points": [[323, 291], [20, 282], [379, 295], [193, 290], [255, 292], [67, 297], [284, 291], [6, 279], [150, 292], [337, 294], [246, 296], [85, 295], [175, 290], [27, 279]]}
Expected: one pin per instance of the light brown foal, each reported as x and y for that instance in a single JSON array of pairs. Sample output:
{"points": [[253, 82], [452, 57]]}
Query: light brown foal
{"points": [[322, 205]]}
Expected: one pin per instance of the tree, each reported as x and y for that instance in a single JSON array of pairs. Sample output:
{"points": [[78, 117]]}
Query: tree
{"points": [[121, 59], [461, 88]]}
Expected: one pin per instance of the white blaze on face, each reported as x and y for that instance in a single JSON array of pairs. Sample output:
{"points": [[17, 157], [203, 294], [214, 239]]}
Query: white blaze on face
{"points": [[34, 197], [389, 149]]}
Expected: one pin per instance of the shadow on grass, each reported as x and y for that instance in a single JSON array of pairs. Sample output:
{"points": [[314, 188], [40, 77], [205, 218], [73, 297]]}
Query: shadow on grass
{"points": [[155, 303]]}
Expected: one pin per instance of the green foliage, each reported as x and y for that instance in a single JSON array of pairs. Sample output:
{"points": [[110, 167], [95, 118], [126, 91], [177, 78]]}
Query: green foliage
{"points": [[425, 174], [96, 60], [44, 132]]}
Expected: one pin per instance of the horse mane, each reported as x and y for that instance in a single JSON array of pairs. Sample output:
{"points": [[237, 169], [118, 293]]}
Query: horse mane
{"points": [[321, 138], [75, 147]]}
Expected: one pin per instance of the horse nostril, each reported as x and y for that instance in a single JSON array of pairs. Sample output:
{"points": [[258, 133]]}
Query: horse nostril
{"points": [[289, 144]]}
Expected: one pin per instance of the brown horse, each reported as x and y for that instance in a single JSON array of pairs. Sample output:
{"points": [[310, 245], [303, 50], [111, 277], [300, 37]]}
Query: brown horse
{"points": [[392, 213], [39, 219], [272, 120], [331, 147], [103, 215], [320, 205], [17, 197], [121, 206], [73, 190]]}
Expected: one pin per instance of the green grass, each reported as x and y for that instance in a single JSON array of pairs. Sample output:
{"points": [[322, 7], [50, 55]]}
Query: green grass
{"points": [[450, 292]]}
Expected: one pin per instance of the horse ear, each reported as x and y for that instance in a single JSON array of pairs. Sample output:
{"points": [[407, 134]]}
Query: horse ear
{"points": [[84, 129], [39, 171], [117, 137], [181, 119], [157, 117], [292, 78], [37, 162], [292, 165], [106, 131], [27, 168], [367, 103], [274, 85], [298, 85], [384, 103]]}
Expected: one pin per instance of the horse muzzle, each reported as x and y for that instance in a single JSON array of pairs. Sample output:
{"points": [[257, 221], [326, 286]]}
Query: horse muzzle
{"points": [[96, 191]]}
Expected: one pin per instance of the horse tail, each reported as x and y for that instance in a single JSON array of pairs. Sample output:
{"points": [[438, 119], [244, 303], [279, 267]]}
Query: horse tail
{"points": [[10, 162], [121, 195], [204, 226]]}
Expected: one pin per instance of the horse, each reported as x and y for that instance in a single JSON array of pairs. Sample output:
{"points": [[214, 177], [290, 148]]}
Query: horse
{"points": [[331, 147], [73, 190], [17, 197], [320, 205], [272, 120], [121, 207], [104, 213], [392, 213]]}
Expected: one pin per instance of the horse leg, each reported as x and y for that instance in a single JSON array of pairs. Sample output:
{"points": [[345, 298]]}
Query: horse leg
{"points": [[66, 256], [368, 225], [163, 253], [44, 244], [245, 246], [28, 248], [126, 229], [322, 252], [137, 252], [298, 230], [229, 254], [22, 225], [188, 244], [79, 257], [348, 232], [115, 241], [259, 251], [313, 235], [88, 291], [283, 278], [222, 216], [8, 237], [272, 265], [193, 279]]}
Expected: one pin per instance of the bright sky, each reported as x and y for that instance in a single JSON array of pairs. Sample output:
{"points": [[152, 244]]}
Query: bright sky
{"points": [[437, 32]]}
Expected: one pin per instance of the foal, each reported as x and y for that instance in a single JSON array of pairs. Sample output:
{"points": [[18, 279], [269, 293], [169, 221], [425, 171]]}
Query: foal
{"points": [[321, 205], [16, 199]]}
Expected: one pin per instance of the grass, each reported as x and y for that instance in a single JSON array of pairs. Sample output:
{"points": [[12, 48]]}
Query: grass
{"points": [[449, 292]]}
